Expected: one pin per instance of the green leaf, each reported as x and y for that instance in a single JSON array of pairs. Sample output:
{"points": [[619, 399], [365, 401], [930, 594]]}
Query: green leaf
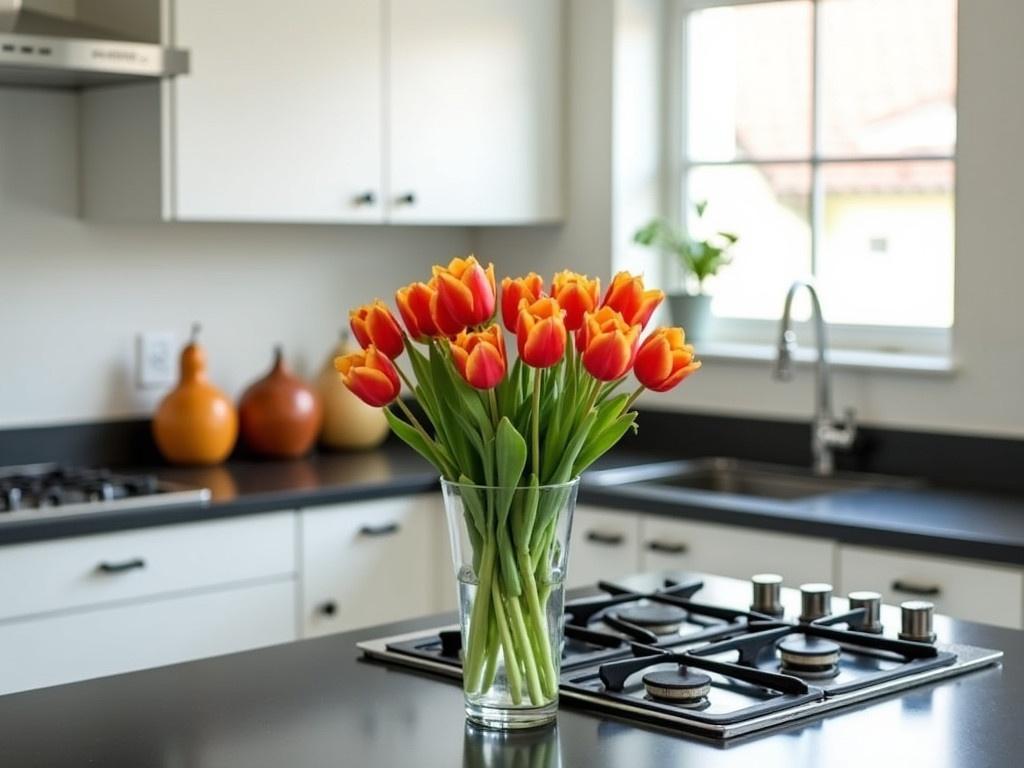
{"points": [[604, 441], [415, 440]]}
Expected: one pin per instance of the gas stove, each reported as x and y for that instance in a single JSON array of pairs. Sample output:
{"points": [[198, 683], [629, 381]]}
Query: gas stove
{"points": [[50, 490], [666, 656]]}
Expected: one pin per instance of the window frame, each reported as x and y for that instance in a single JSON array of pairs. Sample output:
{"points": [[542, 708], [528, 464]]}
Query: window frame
{"points": [[914, 340]]}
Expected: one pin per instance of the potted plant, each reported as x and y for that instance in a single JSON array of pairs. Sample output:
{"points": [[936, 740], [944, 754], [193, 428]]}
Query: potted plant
{"points": [[699, 259]]}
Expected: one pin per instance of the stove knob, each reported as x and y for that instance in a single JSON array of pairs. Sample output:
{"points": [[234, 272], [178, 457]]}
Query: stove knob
{"points": [[871, 602], [815, 601], [767, 594], [917, 621], [11, 501]]}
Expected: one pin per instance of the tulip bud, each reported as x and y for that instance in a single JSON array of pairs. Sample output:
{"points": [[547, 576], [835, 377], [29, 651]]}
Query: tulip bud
{"points": [[480, 357], [608, 344], [627, 296], [374, 324], [414, 306], [664, 360], [466, 290], [445, 324], [513, 291], [540, 333], [576, 294], [370, 376]]}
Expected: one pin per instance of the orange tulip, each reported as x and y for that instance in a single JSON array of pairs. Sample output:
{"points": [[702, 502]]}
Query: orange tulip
{"points": [[466, 290], [370, 376], [480, 357], [445, 324], [541, 333], [626, 294], [664, 359], [374, 324], [607, 343], [513, 291], [577, 294], [414, 306]]}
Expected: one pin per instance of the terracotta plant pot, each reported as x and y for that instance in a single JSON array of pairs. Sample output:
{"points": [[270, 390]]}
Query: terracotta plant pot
{"points": [[280, 414]]}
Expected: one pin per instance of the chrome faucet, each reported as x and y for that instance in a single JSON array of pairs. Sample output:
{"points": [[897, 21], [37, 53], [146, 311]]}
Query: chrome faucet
{"points": [[826, 435]]}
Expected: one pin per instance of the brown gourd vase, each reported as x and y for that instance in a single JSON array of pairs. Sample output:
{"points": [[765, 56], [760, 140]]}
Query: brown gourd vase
{"points": [[280, 414], [195, 423]]}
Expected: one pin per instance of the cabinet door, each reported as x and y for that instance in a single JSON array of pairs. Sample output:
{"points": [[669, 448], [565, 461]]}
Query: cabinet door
{"points": [[728, 550], [605, 545], [280, 116], [475, 111], [369, 562], [984, 592]]}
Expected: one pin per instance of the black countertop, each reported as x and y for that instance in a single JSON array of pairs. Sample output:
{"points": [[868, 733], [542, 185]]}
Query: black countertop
{"points": [[974, 525], [315, 703]]}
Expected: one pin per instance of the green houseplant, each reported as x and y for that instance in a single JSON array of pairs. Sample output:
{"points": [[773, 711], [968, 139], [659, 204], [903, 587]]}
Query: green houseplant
{"points": [[699, 258]]}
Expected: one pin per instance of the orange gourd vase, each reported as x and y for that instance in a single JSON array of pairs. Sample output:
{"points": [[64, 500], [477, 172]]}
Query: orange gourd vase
{"points": [[196, 422], [280, 414]]}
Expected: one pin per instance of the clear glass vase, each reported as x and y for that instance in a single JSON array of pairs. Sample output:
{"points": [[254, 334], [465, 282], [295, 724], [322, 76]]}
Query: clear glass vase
{"points": [[509, 549]]}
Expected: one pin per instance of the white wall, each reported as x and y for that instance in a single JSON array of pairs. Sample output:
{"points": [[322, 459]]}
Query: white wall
{"points": [[73, 293], [986, 395]]}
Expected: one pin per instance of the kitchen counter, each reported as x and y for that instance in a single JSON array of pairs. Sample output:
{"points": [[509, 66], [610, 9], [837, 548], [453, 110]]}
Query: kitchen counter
{"points": [[316, 703]]}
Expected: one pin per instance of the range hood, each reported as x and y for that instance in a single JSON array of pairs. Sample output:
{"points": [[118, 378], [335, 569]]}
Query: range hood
{"points": [[39, 49]]}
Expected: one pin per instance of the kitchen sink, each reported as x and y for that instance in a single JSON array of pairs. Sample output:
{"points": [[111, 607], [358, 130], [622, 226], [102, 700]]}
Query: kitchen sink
{"points": [[744, 478]]}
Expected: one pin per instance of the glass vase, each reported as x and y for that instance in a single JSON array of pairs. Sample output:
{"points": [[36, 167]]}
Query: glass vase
{"points": [[510, 547]]}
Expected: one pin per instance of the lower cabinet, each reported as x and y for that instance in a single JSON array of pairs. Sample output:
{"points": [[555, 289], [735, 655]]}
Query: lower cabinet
{"points": [[605, 544]]}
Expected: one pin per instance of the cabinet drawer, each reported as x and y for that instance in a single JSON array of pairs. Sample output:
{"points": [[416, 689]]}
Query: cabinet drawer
{"points": [[605, 545], [76, 646], [90, 570], [728, 550], [975, 591]]}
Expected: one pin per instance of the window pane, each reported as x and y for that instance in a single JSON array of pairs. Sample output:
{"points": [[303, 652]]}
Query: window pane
{"points": [[886, 252], [767, 207], [888, 77], [748, 81]]}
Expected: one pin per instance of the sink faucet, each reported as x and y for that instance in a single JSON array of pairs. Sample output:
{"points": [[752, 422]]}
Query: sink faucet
{"points": [[826, 436]]}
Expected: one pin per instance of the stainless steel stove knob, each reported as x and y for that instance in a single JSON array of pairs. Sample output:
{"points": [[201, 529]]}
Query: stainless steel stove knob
{"points": [[815, 601], [871, 602], [916, 621], [767, 594]]}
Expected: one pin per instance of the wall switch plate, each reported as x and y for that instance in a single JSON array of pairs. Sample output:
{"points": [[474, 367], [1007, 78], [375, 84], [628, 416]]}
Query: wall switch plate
{"points": [[155, 360]]}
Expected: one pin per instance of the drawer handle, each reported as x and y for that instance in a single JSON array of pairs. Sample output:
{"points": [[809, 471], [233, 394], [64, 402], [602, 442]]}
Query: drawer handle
{"points": [[328, 608], [379, 530], [608, 539], [124, 565], [667, 547], [922, 590]]}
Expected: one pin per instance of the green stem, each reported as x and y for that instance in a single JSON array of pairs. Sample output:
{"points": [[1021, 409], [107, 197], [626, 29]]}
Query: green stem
{"points": [[540, 626], [519, 628], [538, 374], [633, 398], [515, 681], [491, 665], [479, 619], [495, 413], [443, 458]]}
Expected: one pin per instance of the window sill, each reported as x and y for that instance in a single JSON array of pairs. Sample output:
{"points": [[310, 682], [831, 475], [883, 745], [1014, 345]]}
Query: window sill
{"points": [[851, 359]]}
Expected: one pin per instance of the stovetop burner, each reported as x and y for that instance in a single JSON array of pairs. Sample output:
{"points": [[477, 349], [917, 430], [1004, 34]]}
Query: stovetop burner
{"points": [[659, 618], [680, 686], [811, 657]]}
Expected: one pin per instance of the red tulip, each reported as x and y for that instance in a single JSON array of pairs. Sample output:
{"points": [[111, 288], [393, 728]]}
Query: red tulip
{"points": [[414, 306], [370, 376], [577, 294], [541, 333], [466, 290], [664, 359], [608, 344], [480, 357], [626, 295], [513, 291], [374, 324], [445, 324]]}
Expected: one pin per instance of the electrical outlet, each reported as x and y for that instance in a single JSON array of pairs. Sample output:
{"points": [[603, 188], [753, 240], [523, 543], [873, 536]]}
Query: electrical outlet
{"points": [[155, 360]]}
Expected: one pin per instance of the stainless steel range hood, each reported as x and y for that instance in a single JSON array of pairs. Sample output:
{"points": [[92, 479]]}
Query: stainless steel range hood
{"points": [[39, 49]]}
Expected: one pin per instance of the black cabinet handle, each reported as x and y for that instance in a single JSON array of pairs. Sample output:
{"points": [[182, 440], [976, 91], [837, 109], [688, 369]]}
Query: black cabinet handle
{"points": [[367, 198], [609, 539], [921, 590], [408, 198], [379, 530], [125, 565], [667, 547], [328, 608]]}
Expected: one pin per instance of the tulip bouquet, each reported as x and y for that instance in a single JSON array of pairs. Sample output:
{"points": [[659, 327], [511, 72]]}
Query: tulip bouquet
{"points": [[505, 429]]}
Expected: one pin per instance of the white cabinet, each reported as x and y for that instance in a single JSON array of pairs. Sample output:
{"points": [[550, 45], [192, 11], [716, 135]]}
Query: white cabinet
{"points": [[727, 550], [975, 591], [605, 545], [369, 562]]}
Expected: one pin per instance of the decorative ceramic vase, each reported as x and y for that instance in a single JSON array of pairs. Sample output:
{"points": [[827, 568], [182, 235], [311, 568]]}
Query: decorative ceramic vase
{"points": [[196, 422], [691, 312], [348, 423], [279, 415], [511, 593]]}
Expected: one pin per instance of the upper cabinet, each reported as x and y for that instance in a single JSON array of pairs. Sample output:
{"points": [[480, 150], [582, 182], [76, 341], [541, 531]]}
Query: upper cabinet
{"points": [[367, 111]]}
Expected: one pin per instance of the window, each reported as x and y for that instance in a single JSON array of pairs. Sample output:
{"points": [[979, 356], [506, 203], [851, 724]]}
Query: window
{"points": [[822, 132]]}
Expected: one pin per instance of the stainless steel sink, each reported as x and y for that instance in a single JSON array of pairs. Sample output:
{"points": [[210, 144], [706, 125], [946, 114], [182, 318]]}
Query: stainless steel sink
{"points": [[743, 478]]}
